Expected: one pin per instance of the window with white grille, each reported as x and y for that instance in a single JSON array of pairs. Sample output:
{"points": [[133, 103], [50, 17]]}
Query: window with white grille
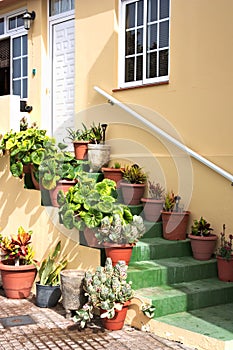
{"points": [[144, 42]]}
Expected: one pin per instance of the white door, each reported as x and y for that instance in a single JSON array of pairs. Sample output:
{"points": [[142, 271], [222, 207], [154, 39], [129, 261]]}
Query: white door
{"points": [[63, 61]]}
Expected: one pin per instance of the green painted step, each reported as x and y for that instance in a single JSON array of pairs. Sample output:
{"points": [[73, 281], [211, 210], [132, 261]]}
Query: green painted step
{"points": [[171, 270], [153, 229], [214, 321], [186, 296], [159, 248]]}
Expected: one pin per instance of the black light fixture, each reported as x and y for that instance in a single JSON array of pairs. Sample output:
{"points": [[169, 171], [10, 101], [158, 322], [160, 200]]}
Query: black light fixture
{"points": [[27, 18]]}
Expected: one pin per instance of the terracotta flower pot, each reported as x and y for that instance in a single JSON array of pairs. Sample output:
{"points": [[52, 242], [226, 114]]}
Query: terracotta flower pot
{"points": [[17, 281], [132, 193], [117, 322], [175, 225], [118, 252], [113, 174], [203, 247], [62, 185], [81, 149], [152, 209], [225, 269], [89, 235]]}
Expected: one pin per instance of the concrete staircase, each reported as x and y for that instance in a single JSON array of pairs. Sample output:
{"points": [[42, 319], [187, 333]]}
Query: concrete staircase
{"points": [[192, 305]]}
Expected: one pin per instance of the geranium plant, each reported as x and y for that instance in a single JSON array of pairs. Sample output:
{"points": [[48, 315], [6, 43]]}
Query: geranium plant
{"points": [[225, 250], [18, 247]]}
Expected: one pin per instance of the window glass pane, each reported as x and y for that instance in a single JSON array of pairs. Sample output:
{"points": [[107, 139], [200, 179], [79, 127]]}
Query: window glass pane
{"points": [[164, 34], [25, 88], [140, 13], [139, 40], [25, 44], [139, 68], [129, 69], [130, 16], [152, 11], [164, 9], [152, 65], [17, 87], [152, 37], [17, 68], [65, 5], [17, 47], [12, 23], [25, 66], [1, 25], [60, 6], [130, 43], [163, 62], [20, 21]]}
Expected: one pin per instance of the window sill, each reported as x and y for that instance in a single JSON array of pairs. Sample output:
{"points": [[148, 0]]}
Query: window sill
{"points": [[141, 86]]}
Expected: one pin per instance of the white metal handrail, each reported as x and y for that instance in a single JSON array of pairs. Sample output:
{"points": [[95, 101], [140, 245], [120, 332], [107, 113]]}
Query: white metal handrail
{"points": [[179, 144]]}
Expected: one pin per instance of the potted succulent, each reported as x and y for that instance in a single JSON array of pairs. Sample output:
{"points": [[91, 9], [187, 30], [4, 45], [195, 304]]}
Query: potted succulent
{"points": [[18, 268], [98, 151], [203, 242], [59, 171], [174, 218], [225, 257], [114, 173], [133, 184], [48, 291], [119, 236], [153, 205], [108, 291]]}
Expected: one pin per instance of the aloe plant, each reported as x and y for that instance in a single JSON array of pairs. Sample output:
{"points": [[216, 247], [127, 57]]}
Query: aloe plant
{"points": [[49, 271]]}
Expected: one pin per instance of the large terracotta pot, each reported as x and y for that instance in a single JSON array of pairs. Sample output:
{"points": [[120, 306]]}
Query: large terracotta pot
{"points": [[113, 174], [17, 281], [203, 247], [175, 225], [152, 209], [89, 235], [81, 149], [132, 193], [117, 322], [118, 252], [62, 185], [225, 269]]}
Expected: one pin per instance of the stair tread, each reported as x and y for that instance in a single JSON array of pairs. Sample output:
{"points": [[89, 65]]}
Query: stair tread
{"points": [[213, 321], [169, 262], [182, 288]]}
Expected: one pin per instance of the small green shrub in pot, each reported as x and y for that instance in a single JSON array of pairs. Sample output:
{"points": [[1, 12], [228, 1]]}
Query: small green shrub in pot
{"points": [[201, 227]]}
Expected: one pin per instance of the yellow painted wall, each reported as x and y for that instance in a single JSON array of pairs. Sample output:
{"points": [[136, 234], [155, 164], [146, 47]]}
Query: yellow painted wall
{"points": [[194, 106]]}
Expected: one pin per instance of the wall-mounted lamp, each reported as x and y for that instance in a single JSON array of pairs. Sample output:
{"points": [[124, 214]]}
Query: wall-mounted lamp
{"points": [[27, 18]]}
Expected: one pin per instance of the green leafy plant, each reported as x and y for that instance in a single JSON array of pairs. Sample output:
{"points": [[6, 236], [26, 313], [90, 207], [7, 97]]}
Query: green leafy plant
{"points": [[49, 271], [114, 229], [107, 289], [134, 174], [201, 228], [93, 134], [88, 202], [156, 191], [57, 166], [225, 250], [26, 147], [18, 247]]}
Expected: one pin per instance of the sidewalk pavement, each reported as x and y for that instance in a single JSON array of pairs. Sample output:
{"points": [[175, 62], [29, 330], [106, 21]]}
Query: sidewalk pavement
{"points": [[23, 325]]}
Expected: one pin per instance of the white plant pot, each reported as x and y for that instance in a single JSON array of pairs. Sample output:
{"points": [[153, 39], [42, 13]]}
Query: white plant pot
{"points": [[98, 156]]}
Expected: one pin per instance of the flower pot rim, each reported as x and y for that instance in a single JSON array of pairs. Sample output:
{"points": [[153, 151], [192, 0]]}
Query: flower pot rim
{"points": [[115, 170], [80, 141], [48, 286], [211, 237], [152, 200], [185, 212], [7, 267], [118, 245], [128, 184], [222, 258]]}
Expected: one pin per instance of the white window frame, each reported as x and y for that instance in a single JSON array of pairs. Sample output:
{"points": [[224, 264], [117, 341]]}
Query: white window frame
{"points": [[121, 53], [21, 78]]}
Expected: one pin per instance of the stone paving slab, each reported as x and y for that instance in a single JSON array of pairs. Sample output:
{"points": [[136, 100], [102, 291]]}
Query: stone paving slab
{"points": [[52, 330]]}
